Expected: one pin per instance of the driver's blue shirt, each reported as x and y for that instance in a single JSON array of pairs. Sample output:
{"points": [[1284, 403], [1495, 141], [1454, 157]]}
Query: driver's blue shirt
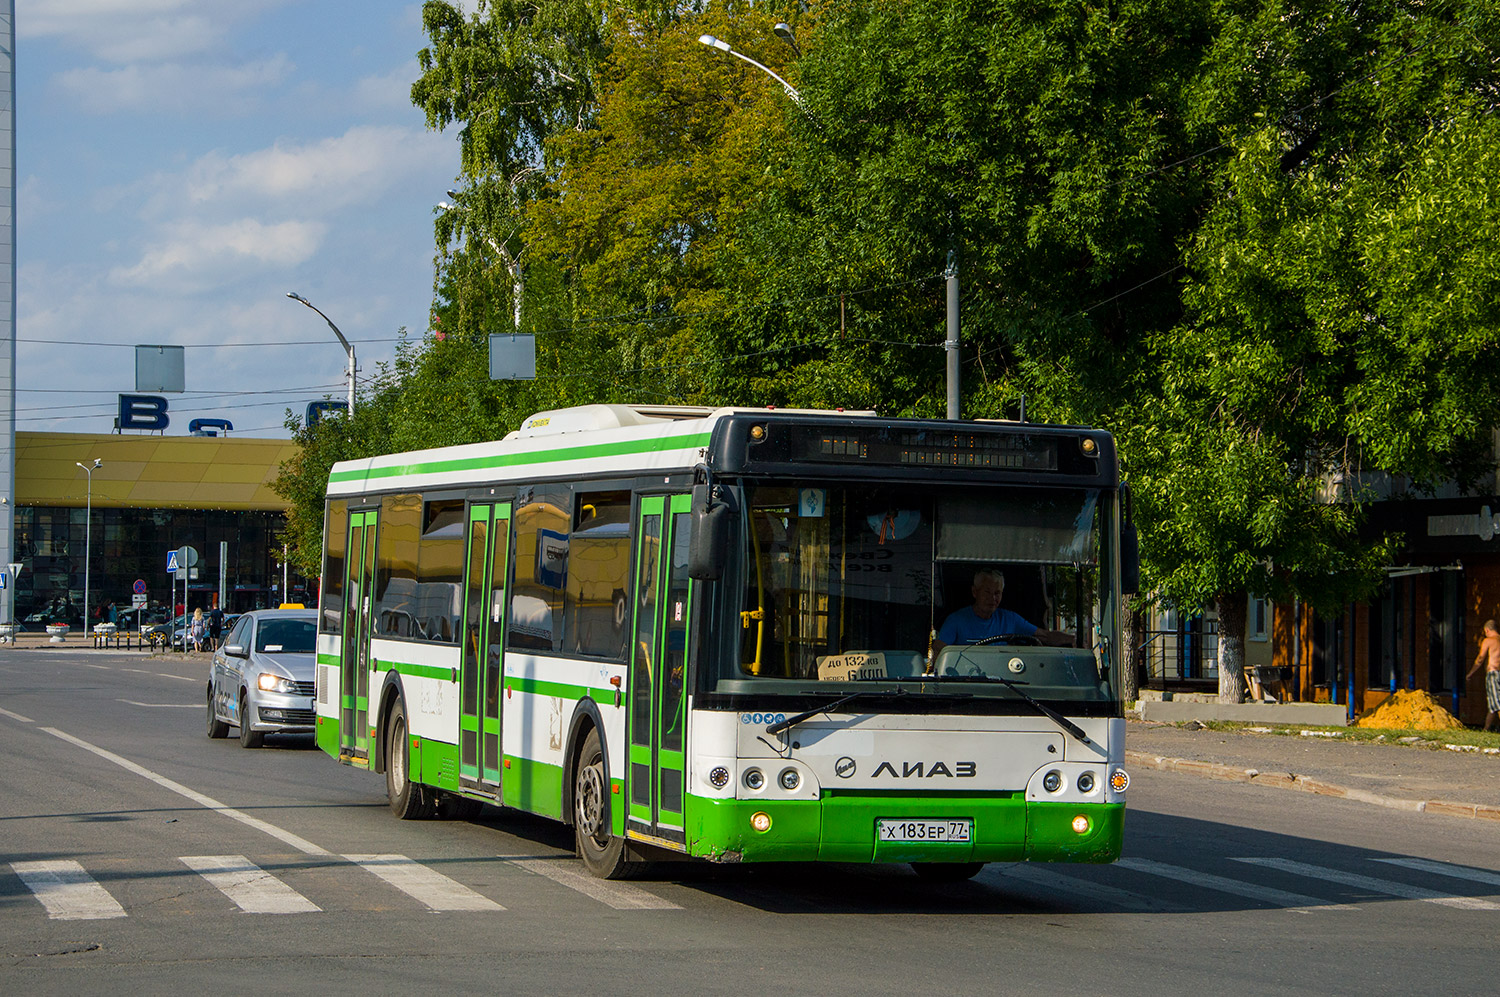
{"points": [[965, 627]]}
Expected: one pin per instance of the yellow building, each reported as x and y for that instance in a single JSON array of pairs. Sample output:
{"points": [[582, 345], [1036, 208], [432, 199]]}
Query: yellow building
{"points": [[149, 496]]}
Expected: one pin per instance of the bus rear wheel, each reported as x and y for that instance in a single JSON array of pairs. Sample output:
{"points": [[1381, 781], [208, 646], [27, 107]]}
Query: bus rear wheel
{"points": [[602, 853], [946, 872], [409, 801]]}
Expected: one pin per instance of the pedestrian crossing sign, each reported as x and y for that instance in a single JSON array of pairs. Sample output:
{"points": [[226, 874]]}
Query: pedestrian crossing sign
{"points": [[171, 561]]}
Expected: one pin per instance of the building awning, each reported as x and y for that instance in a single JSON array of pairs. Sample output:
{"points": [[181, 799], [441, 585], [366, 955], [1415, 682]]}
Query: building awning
{"points": [[150, 472]]}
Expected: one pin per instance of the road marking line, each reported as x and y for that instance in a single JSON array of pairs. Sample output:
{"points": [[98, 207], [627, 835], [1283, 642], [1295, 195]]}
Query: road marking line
{"points": [[425, 885], [180, 678], [1448, 869], [68, 893], [163, 706], [299, 843], [620, 896], [1253, 891], [1086, 888], [102, 668], [16, 716], [1374, 885], [253, 890]]}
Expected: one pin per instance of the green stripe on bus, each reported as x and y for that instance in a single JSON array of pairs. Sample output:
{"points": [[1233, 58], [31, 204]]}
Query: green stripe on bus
{"points": [[548, 456], [539, 687]]}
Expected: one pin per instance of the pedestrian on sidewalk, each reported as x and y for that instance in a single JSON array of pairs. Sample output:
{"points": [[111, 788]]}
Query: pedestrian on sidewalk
{"points": [[1489, 657], [215, 627]]}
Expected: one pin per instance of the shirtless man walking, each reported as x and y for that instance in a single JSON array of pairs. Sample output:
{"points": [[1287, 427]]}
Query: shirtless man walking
{"points": [[1489, 656]]}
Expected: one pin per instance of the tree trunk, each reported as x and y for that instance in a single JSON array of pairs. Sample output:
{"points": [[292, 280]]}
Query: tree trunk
{"points": [[1232, 612], [1132, 635]]}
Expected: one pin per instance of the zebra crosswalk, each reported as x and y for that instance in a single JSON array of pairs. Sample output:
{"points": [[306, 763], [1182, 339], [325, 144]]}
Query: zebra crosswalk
{"points": [[66, 891]]}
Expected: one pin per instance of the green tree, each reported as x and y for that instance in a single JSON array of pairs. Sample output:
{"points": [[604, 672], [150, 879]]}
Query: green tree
{"points": [[1340, 301]]}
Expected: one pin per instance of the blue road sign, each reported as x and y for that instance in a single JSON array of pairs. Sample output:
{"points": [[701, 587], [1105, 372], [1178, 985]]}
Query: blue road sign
{"points": [[171, 561]]}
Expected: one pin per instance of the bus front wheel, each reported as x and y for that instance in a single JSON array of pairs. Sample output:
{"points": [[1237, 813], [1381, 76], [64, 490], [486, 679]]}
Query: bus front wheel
{"points": [[602, 853], [946, 872]]}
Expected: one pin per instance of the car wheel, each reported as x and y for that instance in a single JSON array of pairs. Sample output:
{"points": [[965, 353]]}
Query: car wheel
{"points": [[409, 800], [602, 853], [216, 727], [248, 738]]}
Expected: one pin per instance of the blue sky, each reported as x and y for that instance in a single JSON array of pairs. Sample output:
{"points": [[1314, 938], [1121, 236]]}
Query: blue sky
{"points": [[181, 165]]}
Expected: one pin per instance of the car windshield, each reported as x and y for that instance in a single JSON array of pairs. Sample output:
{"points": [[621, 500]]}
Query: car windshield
{"points": [[846, 583], [286, 636]]}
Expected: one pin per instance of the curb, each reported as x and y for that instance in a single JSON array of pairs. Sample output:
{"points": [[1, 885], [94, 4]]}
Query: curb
{"points": [[1306, 784]]}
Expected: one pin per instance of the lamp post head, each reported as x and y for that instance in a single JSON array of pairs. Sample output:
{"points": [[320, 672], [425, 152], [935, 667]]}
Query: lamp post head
{"points": [[296, 297], [784, 31], [98, 463], [713, 42]]}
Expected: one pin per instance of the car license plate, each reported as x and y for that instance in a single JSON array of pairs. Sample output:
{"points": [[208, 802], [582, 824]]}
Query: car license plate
{"points": [[923, 830]]}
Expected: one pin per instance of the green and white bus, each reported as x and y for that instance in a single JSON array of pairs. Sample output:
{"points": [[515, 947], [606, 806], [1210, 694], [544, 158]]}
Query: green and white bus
{"points": [[713, 633]]}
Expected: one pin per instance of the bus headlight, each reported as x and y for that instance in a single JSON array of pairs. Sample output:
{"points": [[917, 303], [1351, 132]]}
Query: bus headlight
{"points": [[755, 780], [1081, 824], [1086, 782], [1052, 781], [789, 779]]}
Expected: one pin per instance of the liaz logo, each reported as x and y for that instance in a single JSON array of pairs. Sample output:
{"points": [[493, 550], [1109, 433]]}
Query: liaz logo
{"points": [[925, 770]]}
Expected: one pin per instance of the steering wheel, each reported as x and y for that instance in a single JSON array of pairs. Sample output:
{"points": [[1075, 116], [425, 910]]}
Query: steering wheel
{"points": [[1023, 639]]}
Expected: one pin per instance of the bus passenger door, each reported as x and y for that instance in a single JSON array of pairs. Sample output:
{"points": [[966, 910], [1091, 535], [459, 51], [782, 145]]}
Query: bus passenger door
{"points": [[480, 676], [658, 705], [354, 662]]}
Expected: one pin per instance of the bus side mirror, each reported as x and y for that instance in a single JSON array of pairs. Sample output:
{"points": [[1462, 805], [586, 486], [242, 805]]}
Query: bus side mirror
{"points": [[1130, 560], [709, 547]]}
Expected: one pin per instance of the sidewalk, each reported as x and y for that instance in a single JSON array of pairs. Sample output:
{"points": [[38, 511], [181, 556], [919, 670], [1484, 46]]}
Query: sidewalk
{"points": [[74, 641], [1405, 777]]}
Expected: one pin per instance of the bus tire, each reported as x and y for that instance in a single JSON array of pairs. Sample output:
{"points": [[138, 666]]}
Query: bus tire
{"points": [[946, 872], [248, 738], [216, 727], [602, 853], [409, 800]]}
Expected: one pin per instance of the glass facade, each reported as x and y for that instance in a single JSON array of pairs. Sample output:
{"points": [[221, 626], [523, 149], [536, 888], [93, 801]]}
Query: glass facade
{"points": [[127, 545]]}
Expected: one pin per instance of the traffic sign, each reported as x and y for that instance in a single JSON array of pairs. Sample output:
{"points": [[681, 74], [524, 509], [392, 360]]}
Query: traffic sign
{"points": [[139, 588], [172, 562], [15, 569]]}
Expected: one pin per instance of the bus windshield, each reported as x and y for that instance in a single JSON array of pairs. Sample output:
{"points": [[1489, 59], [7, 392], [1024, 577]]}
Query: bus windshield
{"points": [[847, 583]]}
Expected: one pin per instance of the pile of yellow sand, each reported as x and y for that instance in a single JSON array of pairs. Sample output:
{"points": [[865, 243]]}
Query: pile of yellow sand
{"points": [[1409, 710]]}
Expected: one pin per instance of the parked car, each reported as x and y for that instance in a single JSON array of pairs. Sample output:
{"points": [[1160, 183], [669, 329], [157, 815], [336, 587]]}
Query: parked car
{"points": [[261, 679]]}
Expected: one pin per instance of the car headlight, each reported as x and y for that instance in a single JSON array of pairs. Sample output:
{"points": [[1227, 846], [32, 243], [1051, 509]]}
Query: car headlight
{"points": [[275, 683]]}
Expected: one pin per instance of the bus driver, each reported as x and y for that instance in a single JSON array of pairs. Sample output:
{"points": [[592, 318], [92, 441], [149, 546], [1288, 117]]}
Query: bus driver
{"points": [[986, 619]]}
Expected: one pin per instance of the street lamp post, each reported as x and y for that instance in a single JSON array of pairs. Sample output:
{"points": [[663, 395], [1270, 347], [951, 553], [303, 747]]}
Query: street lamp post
{"points": [[348, 346], [88, 536], [723, 46]]}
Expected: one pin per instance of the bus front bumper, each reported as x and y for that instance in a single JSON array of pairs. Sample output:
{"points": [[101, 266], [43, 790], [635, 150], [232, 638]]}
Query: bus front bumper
{"points": [[843, 828]]}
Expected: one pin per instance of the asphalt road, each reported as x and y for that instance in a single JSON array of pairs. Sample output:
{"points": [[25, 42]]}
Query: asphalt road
{"points": [[138, 856]]}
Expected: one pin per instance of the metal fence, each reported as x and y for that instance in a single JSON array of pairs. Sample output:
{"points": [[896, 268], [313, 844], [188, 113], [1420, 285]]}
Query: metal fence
{"points": [[1184, 655]]}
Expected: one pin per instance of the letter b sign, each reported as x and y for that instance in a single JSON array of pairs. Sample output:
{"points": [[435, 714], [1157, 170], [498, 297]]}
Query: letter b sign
{"points": [[143, 412]]}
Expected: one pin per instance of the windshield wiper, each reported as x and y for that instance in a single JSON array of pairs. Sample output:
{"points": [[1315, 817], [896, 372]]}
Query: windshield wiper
{"points": [[790, 722], [1043, 709], [1014, 687]]}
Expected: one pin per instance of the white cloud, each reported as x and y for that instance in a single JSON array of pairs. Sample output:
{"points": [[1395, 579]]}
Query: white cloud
{"points": [[190, 253], [175, 86], [391, 91], [319, 176], [130, 30]]}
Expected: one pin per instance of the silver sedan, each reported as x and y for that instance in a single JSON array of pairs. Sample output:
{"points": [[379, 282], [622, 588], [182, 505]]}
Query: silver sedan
{"points": [[261, 679]]}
